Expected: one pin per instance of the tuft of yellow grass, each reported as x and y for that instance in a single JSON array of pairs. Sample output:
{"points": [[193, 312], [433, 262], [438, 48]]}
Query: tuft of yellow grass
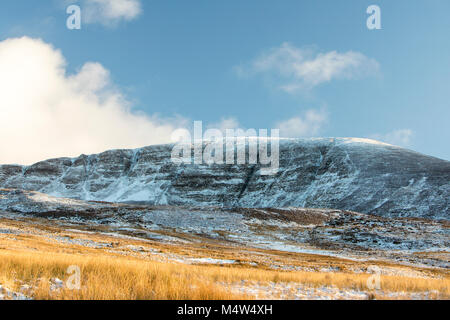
{"points": [[106, 278]]}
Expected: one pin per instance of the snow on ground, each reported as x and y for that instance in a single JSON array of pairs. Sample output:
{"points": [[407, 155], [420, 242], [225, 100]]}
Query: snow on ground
{"points": [[7, 294], [296, 291], [209, 261], [325, 232], [293, 291]]}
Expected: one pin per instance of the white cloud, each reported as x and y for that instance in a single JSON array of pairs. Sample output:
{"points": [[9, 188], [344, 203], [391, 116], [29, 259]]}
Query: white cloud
{"points": [[45, 113], [109, 12], [224, 124], [295, 69], [307, 125], [400, 137]]}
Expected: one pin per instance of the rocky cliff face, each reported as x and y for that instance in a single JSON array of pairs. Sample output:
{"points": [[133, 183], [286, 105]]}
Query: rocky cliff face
{"points": [[347, 174]]}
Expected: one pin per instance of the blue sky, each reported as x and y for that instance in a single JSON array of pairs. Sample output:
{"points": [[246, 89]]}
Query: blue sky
{"points": [[183, 58]]}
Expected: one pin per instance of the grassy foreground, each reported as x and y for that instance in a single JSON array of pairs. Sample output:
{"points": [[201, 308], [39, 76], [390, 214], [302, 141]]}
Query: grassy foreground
{"points": [[105, 276]]}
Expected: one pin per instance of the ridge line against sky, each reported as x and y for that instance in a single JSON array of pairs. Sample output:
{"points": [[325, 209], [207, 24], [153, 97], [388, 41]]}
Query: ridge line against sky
{"points": [[89, 102]]}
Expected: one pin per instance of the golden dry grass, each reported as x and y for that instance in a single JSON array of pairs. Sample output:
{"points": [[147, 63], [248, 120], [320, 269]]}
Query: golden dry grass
{"points": [[110, 277], [106, 277], [118, 273]]}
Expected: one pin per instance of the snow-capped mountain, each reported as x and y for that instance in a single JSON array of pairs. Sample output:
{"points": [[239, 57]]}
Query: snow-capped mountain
{"points": [[341, 173]]}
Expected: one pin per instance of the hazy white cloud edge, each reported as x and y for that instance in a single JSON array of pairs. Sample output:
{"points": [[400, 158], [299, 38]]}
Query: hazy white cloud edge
{"points": [[401, 137], [294, 69], [46, 113], [108, 12], [307, 125], [224, 124]]}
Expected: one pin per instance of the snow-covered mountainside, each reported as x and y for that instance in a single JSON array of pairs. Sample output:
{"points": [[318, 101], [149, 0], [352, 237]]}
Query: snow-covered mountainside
{"points": [[340, 173]]}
